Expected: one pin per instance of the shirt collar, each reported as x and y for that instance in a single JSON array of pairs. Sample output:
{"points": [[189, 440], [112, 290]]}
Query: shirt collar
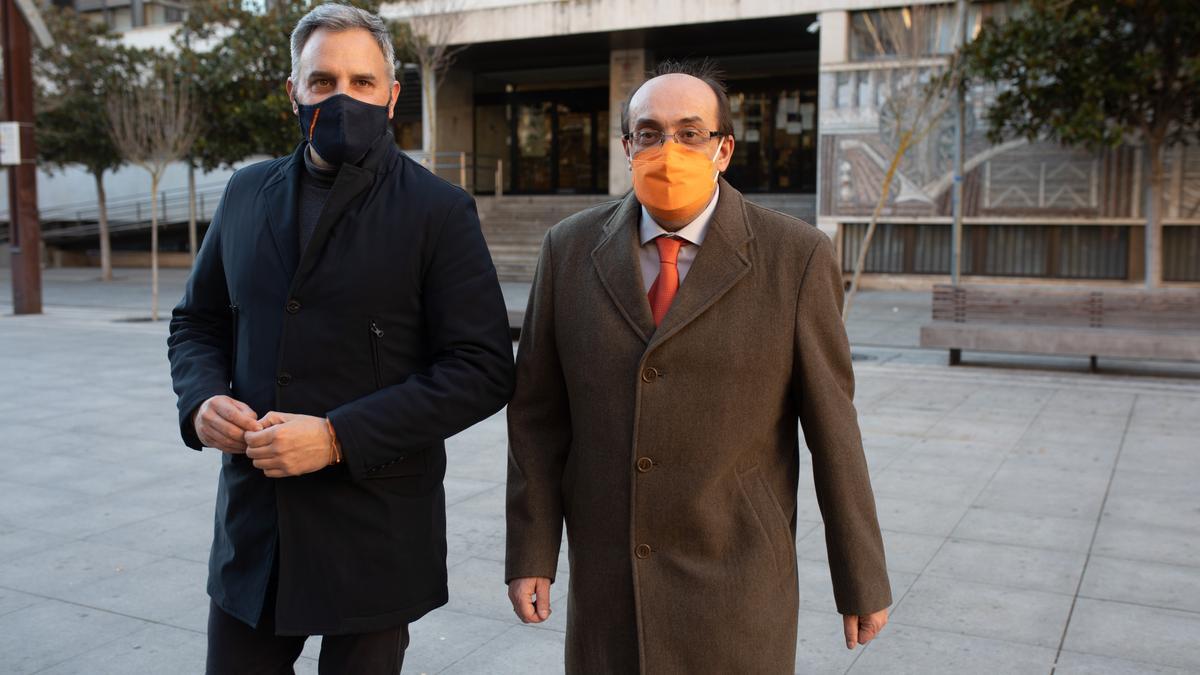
{"points": [[694, 232]]}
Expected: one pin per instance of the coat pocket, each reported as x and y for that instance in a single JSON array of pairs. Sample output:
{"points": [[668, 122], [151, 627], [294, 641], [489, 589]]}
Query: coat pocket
{"points": [[411, 464], [771, 519], [375, 335]]}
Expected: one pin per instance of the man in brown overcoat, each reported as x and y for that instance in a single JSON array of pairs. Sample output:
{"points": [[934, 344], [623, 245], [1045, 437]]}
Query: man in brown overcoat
{"points": [[672, 341]]}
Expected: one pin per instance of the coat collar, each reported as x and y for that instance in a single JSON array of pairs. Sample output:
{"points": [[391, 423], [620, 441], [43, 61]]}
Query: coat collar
{"points": [[281, 194], [721, 262]]}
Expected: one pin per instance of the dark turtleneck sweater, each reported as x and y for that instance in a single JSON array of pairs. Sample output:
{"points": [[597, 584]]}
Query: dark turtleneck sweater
{"points": [[315, 184]]}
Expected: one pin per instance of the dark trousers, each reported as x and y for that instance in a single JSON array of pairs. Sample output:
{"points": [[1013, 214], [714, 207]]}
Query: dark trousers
{"points": [[234, 648]]}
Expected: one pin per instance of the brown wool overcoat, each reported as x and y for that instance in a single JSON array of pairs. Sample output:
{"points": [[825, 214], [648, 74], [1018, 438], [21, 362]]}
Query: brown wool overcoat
{"points": [[672, 454]]}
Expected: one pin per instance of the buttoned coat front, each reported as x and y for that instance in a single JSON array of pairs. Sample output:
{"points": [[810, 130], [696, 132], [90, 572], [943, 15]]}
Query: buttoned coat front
{"points": [[672, 453], [391, 324]]}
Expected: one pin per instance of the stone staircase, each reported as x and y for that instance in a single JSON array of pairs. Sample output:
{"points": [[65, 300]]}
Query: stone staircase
{"points": [[514, 226]]}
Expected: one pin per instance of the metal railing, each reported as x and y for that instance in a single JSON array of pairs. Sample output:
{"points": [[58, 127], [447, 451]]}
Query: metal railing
{"points": [[80, 219], [454, 166]]}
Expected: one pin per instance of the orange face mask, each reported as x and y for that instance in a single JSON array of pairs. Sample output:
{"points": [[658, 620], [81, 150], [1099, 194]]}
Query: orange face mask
{"points": [[672, 181]]}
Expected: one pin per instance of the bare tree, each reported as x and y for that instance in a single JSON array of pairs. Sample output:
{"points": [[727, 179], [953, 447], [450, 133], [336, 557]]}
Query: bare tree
{"points": [[919, 98], [428, 41], [153, 124]]}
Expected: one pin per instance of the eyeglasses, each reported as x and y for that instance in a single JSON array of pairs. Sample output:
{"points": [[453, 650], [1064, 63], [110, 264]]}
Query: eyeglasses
{"points": [[644, 139]]}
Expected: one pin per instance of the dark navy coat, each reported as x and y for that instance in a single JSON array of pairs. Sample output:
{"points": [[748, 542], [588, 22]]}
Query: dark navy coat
{"points": [[391, 324]]}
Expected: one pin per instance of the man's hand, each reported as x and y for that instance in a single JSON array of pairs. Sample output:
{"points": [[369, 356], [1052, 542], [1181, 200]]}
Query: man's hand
{"points": [[530, 597], [290, 445], [221, 422], [862, 629]]}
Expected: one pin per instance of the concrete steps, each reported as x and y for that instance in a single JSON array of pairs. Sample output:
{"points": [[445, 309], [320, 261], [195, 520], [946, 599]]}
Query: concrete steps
{"points": [[514, 226]]}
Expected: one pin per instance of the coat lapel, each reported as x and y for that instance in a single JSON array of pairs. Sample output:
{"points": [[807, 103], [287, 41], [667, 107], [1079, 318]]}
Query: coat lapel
{"points": [[721, 262], [279, 198], [351, 181], [616, 261]]}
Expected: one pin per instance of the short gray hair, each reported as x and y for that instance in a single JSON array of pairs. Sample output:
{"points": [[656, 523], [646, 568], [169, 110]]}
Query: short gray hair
{"points": [[336, 17]]}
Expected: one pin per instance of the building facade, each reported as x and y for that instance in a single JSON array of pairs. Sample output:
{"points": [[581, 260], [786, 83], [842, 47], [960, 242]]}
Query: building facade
{"points": [[819, 94], [816, 93]]}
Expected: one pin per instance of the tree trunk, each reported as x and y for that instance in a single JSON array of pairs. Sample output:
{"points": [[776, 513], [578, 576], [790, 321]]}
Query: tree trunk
{"points": [[106, 273], [192, 243], [429, 98], [154, 248], [1155, 203], [905, 142]]}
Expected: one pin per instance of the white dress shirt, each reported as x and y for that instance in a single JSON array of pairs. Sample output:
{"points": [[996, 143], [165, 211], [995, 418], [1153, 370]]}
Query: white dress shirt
{"points": [[693, 233]]}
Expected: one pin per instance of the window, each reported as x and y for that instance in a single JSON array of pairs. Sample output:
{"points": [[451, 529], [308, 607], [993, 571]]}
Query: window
{"points": [[915, 32]]}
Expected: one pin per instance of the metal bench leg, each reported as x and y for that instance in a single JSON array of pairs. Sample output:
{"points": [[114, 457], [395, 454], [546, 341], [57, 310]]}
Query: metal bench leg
{"points": [[955, 357], [1092, 365]]}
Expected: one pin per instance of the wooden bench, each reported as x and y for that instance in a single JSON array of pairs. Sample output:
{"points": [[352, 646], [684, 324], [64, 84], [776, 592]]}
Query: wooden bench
{"points": [[1077, 321]]}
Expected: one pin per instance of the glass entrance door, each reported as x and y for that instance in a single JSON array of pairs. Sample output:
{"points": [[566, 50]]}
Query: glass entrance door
{"points": [[776, 130], [557, 140], [534, 148]]}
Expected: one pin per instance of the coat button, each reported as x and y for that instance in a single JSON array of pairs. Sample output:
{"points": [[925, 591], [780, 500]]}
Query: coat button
{"points": [[644, 464], [642, 551], [284, 379], [650, 374], [292, 306]]}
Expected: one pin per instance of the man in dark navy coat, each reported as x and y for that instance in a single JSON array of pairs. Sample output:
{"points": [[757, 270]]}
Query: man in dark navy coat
{"points": [[343, 318]]}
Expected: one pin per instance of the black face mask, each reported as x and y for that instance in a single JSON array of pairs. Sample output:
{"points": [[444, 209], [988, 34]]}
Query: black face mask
{"points": [[342, 128]]}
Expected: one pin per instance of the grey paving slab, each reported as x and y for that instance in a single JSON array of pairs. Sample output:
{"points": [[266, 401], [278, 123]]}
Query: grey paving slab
{"points": [[51, 632], [946, 463], [998, 432], [914, 650], [1081, 458], [1026, 529], [1153, 510], [69, 570], [1050, 499], [980, 449], [918, 517], [444, 637], [1074, 663], [1134, 632], [1139, 541], [908, 552], [984, 610], [16, 542], [164, 591], [518, 650], [184, 534], [471, 536], [1161, 453], [1170, 488], [990, 482], [1008, 565], [12, 601], [1143, 583], [153, 650], [929, 486]]}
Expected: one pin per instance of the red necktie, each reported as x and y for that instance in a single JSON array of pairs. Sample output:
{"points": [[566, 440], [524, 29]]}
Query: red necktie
{"points": [[662, 292]]}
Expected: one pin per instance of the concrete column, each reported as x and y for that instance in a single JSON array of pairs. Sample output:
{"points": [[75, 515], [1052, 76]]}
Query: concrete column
{"points": [[627, 69], [455, 122]]}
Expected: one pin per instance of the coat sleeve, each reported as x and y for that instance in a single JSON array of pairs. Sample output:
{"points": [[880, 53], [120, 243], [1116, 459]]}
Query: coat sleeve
{"points": [[470, 373], [539, 437], [823, 386], [199, 346]]}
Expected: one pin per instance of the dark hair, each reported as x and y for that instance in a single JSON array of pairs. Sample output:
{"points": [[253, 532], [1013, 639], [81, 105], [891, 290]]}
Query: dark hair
{"points": [[703, 70]]}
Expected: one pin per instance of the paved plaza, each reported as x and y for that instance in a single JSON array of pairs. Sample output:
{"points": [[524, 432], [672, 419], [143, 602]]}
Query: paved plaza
{"points": [[1037, 518]]}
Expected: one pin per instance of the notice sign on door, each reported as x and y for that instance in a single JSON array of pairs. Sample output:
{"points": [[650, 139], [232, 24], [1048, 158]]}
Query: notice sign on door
{"points": [[10, 143]]}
